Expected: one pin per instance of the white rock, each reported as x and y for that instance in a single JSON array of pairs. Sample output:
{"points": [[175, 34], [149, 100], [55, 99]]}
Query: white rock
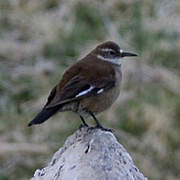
{"points": [[90, 154]]}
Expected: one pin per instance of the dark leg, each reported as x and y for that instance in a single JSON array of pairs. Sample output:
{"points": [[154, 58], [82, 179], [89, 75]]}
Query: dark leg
{"points": [[83, 121], [98, 125]]}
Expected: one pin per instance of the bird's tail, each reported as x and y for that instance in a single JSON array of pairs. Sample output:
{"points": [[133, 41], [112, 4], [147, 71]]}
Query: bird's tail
{"points": [[44, 115]]}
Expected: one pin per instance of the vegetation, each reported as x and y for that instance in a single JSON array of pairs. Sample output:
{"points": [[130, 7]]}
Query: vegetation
{"points": [[40, 39]]}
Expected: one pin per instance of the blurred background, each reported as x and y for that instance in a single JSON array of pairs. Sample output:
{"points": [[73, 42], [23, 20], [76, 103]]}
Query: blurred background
{"points": [[40, 39]]}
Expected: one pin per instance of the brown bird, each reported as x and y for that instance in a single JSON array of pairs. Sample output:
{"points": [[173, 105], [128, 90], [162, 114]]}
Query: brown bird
{"points": [[88, 87]]}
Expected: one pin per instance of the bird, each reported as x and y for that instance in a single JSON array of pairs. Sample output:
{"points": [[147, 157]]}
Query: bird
{"points": [[89, 86]]}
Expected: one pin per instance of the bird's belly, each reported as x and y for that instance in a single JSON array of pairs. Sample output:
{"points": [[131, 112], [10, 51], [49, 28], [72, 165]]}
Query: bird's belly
{"points": [[100, 102], [97, 103], [94, 104]]}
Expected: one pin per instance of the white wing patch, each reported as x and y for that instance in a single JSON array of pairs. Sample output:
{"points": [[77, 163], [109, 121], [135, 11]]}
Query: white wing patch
{"points": [[100, 91], [85, 92]]}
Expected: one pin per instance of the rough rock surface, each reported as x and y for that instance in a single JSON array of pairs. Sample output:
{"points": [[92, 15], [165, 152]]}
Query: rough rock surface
{"points": [[90, 154]]}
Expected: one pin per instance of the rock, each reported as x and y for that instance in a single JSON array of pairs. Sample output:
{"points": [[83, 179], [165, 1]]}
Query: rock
{"points": [[90, 154]]}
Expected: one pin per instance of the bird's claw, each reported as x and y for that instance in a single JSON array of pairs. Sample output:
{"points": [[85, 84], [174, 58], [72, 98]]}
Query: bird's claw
{"points": [[82, 126], [100, 127]]}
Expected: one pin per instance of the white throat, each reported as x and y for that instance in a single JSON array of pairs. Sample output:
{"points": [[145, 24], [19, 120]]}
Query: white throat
{"points": [[116, 61]]}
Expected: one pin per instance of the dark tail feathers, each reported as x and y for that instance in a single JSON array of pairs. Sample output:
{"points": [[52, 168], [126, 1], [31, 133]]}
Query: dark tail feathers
{"points": [[44, 115]]}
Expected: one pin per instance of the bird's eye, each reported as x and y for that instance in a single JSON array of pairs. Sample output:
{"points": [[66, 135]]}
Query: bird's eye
{"points": [[111, 52]]}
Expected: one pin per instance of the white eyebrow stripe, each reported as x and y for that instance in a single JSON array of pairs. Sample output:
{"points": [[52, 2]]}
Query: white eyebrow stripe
{"points": [[85, 91], [100, 91], [107, 49]]}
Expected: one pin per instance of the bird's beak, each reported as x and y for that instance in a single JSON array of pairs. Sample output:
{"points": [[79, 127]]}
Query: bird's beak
{"points": [[124, 54]]}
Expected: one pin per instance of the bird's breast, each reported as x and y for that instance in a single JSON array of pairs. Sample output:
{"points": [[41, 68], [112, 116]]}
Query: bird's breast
{"points": [[103, 101]]}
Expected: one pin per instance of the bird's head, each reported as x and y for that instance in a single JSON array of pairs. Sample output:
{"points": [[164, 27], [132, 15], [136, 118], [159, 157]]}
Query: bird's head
{"points": [[111, 52]]}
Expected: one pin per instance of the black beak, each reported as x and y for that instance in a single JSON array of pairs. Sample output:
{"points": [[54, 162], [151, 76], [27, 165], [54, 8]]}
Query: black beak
{"points": [[124, 54]]}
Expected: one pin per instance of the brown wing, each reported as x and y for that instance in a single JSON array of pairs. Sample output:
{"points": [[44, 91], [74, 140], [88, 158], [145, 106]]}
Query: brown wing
{"points": [[51, 96], [83, 80], [78, 88]]}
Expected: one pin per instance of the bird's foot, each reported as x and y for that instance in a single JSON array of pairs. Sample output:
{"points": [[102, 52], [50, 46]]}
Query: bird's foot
{"points": [[100, 127], [104, 129], [82, 126]]}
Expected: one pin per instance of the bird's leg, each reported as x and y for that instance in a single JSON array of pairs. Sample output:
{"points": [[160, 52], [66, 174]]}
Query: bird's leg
{"points": [[83, 121], [98, 125]]}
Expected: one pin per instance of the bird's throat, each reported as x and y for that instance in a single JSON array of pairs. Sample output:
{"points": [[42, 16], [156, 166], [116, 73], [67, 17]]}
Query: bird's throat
{"points": [[116, 61]]}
